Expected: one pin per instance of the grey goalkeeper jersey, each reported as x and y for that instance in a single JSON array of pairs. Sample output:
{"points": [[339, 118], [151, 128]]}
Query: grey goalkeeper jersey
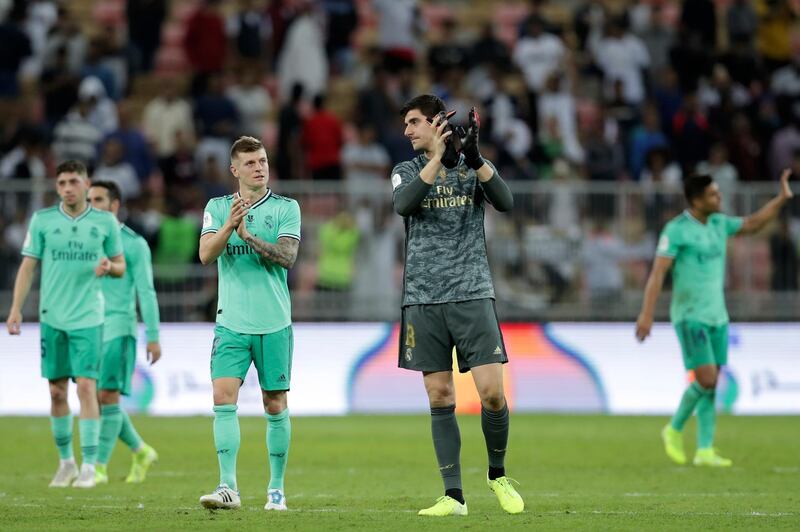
{"points": [[445, 257]]}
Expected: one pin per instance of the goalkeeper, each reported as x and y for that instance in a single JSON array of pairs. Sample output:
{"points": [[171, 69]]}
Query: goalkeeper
{"points": [[448, 297]]}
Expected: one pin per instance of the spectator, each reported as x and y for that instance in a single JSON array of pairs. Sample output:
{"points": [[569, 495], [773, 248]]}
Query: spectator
{"points": [[657, 35], [145, 18], [102, 111], [447, 54], [742, 21], [14, 233], [217, 123], [288, 159], [644, 138], [179, 168], [135, 147], [302, 59], [661, 169], [699, 18], [76, 136], [785, 83], [785, 144], [775, 20], [94, 67], [342, 20], [166, 116], [557, 102], [366, 163], [691, 132], [252, 101], [16, 47], [205, 43], [398, 32], [322, 140], [489, 50], [114, 168], [745, 150], [338, 245], [248, 30], [26, 161], [67, 35], [622, 56], [783, 254], [537, 55], [723, 173], [59, 88]]}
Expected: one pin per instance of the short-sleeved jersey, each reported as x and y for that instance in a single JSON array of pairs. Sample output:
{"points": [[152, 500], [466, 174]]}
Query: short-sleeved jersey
{"points": [[71, 295], [445, 257], [121, 293], [698, 270], [253, 294]]}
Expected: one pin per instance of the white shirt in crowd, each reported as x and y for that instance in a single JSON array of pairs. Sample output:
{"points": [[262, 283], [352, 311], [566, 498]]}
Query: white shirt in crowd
{"points": [[622, 59], [537, 57]]}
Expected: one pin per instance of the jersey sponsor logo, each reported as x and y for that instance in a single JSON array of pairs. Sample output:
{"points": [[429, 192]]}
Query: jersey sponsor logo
{"points": [[237, 249], [396, 180], [445, 198], [74, 252], [207, 220]]}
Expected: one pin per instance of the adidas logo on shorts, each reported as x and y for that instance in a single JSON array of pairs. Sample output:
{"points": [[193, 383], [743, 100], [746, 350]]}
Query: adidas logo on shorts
{"points": [[498, 351]]}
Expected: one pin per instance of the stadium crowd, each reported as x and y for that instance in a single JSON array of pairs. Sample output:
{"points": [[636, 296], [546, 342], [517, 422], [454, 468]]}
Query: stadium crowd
{"points": [[635, 94]]}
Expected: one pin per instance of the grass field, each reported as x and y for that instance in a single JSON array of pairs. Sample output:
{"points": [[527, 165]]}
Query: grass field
{"points": [[374, 473]]}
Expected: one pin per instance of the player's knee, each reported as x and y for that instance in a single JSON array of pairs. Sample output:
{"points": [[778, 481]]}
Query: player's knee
{"points": [[708, 382], [224, 397], [493, 402], [108, 397], [440, 396], [274, 402], [86, 389], [58, 394]]}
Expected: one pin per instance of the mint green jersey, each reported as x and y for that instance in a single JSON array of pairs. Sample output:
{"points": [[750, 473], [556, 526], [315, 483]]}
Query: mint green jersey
{"points": [[698, 270], [121, 293], [71, 295], [253, 294]]}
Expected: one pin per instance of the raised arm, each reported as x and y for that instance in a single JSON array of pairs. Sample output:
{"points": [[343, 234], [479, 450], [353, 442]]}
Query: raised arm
{"points": [[22, 286], [652, 290], [212, 243], [756, 221]]}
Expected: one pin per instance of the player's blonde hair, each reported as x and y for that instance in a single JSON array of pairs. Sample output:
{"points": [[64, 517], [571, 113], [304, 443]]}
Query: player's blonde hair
{"points": [[245, 144]]}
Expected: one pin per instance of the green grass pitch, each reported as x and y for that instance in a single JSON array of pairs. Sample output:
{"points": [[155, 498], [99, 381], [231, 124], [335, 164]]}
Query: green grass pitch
{"points": [[375, 472]]}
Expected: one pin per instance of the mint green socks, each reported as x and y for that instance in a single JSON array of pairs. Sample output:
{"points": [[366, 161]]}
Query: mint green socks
{"points": [[90, 437], [688, 403], [226, 440], [62, 434], [128, 434], [279, 434], [110, 426], [706, 420]]}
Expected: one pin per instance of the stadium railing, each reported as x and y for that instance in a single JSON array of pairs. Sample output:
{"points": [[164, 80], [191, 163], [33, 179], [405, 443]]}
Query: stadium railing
{"points": [[570, 250]]}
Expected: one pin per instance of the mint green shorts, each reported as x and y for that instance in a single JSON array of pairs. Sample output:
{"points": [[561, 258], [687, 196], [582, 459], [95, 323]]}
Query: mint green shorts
{"points": [[702, 344], [117, 364], [232, 353], [71, 353]]}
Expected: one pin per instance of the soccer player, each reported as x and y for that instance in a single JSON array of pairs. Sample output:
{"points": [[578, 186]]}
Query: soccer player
{"points": [[448, 296], [119, 340], [693, 244], [253, 235], [77, 245]]}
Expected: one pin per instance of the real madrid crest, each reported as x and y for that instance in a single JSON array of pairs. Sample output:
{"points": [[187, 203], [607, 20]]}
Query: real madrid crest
{"points": [[408, 354]]}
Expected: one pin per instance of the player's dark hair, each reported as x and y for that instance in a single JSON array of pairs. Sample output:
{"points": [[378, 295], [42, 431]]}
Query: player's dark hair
{"points": [[114, 192], [695, 185], [428, 104], [72, 166], [246, 144]]}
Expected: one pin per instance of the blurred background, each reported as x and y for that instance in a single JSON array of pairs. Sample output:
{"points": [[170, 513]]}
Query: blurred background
{"points": [[592, 111]]}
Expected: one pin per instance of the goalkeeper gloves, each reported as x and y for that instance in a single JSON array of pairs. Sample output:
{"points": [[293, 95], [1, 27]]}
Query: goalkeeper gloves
{"points": [[469, 143], [452, 143]]}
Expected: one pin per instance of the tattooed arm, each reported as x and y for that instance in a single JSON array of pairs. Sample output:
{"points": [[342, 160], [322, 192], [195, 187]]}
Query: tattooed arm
{"points": [[284, 253]]}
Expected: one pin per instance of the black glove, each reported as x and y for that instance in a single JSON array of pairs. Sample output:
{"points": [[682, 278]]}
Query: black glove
{"points": [[469, 144], [452, 143]]}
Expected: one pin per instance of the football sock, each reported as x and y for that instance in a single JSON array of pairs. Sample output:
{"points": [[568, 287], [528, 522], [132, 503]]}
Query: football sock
{"points": [[226, 440], [447, 444], [495, 432], [90, 437], [110, 425], [706, 419], [279, 434], [128, 434], [62, 434], [688, 402]]}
